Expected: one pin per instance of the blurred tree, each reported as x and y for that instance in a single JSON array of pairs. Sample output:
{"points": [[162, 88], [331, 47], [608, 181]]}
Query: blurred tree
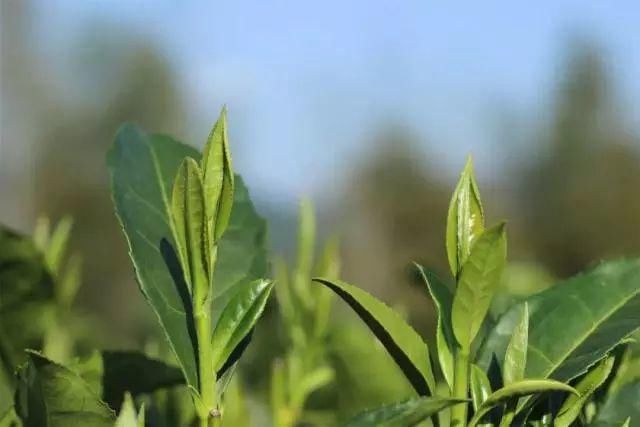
{"points": [[397, 213], [61, 114], [579, 200]]}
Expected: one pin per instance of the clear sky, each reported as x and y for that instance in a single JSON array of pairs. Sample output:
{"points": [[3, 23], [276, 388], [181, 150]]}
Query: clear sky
{"points": [[308, 83]]}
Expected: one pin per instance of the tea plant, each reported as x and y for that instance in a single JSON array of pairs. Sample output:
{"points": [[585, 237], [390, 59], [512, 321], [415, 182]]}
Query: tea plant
{"points": [[565, 356], [557, 343], [305, 312]]}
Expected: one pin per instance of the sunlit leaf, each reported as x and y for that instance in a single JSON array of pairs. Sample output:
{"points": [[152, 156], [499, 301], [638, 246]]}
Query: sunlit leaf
{"points": [[465, 219], [515, 359], [575, 323], [477, 284], [402, 342]]}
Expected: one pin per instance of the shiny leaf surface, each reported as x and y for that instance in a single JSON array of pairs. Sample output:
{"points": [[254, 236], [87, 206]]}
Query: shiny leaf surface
{"points": [[575, 323], [477, 284], [515, 359]]}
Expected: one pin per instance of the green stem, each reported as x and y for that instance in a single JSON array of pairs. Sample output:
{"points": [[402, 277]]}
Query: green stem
{"points": [[460, 388], [207, 383]]}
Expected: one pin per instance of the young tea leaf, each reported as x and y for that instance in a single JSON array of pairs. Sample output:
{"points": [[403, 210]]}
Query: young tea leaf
{"points": [[480, 386], [515, 359], [465, 219], [218, 179], [402, 342], [238, 319], [128, 417], [477, 284], [187, 209]]}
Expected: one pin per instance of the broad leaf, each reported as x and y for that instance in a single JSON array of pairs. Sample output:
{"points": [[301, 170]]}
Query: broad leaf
{"points": [[515, 391], [50, 395], [465, 219], [402, 414], [477, 284], [515, 359], [143, 168], [575, 323], [112, 373], [402, 342], [443, 299], [571, 408], [620, 407], [187, 212], [238, 319]]}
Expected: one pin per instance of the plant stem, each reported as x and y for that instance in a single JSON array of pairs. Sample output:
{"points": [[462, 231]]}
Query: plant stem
{"points": [[207, 383], [460, 388]]}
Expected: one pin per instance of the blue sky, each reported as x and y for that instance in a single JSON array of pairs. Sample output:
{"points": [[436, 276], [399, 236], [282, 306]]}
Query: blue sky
{"points": [[309, 83]]}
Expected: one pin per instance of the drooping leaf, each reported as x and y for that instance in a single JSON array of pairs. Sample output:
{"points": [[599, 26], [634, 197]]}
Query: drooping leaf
{"points": [[477, 283], [188, 216], [218, 178], [516, 390], [571, 408], [50, 395], [443, 299], [575, 323], [112, 373], [128, 416], [238, 319], [402, 342], [465, 219], [515, 359], [403, 414], [143, 168], [620, 407]]}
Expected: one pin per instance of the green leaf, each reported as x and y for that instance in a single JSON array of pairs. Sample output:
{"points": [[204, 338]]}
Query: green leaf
{"points": [[620, 407], [187, 209], [50, 395], [402, 342], [143, 168], [515, 391], [27, 300], [112, 373], [515, 359], [238, 319], [8, 418], [575, 323], [443, 299], [477, 284], [465, 220], [218, 179], [403, 414], [128, 417], [480, 386], [571, 408]]}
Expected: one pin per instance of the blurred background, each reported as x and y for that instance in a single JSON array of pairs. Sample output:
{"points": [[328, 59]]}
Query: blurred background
{"points": [[368, 107]]}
